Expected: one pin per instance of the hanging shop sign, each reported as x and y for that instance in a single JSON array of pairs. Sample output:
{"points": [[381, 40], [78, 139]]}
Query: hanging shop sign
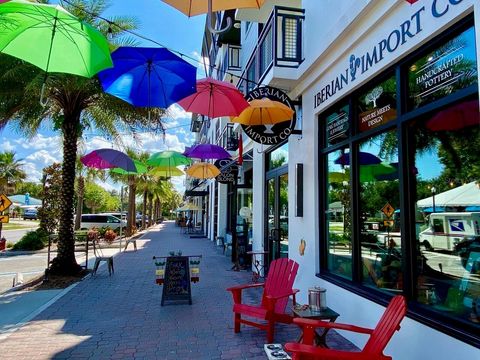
{"points": [[378, 105], [228, 171], [447, 69], [270, 134], [361, 63]]}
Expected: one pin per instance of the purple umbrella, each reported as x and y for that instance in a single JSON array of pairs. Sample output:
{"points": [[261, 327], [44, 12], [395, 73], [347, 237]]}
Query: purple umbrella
{"points": [[108, 159], [207, 151], [364, 157]]}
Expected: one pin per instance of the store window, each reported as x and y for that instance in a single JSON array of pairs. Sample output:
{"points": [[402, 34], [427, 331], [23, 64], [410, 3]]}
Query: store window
{"points": [[337, 125], [338, 217], [278, 157], [448, 201], [380, 236]]}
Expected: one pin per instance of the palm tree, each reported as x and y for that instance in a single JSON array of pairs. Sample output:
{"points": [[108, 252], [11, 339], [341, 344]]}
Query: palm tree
{"points": [[74, 104], [11, 171]]}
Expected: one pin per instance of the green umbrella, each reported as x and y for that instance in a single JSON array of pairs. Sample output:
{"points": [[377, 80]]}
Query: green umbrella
{"points": [[168, 159], [51, 38], [141, 169], [370, 172], [165, 172]]}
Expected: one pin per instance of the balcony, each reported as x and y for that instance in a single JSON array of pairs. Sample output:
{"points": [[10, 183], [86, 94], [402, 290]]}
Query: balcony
{"points": [[279, 46], [230, 62]]}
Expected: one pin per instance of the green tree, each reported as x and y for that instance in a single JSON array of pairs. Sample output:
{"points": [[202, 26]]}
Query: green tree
{"points": [[11, 172], [74, 104], [49, 213], [34, 189], [95, 197]]}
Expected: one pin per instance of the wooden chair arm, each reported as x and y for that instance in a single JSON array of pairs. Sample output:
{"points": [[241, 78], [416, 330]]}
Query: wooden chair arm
{"points": [[290, 293], [313, 324], [326, 354]]}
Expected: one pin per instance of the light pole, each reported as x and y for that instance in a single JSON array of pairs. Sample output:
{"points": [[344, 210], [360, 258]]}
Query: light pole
{"points": [[433, 197]]}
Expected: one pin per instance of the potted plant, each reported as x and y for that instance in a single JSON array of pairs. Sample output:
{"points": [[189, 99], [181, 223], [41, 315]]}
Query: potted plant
{"points": [[109, 236]]}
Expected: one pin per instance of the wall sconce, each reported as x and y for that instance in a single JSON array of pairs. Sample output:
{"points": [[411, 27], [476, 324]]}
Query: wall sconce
{"points": [[299, 190]]}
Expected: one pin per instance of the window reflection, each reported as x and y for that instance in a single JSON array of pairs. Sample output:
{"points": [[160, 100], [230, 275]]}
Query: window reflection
{"points": [[448, 202], [339, 219], [278, 157], [380, 238]]}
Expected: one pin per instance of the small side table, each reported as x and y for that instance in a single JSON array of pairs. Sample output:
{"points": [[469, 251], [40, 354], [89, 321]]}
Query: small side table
{"points": [[258, 264], [306, 313]]}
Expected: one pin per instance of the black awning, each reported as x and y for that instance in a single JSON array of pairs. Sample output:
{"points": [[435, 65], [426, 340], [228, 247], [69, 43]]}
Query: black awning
{"points": [[196, 193]]}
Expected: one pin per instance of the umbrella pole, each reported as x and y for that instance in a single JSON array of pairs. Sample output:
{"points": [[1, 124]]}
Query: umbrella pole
{"points": [[210, 18], [121, 213]]}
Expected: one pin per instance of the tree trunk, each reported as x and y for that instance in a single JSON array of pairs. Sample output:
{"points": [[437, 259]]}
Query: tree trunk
{"points": [[156, 206], [131, 205], [80, 193], [65, 262], [150, 210], [144, 209]]}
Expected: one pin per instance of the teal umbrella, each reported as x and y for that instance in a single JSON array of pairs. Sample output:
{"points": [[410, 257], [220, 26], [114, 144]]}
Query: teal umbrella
{"points": [[168, 158], [52, 39]]}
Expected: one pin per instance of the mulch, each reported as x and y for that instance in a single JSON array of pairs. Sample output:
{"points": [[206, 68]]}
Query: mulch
{"points": [[53, 282]]}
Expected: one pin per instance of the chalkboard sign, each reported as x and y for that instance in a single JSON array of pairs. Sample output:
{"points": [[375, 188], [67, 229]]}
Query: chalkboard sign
{"points": [[177, 280]]}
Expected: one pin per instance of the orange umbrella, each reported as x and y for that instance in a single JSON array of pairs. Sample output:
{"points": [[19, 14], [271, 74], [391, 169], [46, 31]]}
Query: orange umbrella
{"points": [[197, 7], [264, 112], [202, 170]]}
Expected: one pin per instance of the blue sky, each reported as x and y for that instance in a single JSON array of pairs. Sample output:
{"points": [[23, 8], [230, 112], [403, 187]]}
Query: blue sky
{"points": [[165, 25]]}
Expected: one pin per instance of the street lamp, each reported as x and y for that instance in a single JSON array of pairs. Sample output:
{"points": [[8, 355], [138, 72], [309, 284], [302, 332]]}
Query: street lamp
{"points": [[433, 197]]}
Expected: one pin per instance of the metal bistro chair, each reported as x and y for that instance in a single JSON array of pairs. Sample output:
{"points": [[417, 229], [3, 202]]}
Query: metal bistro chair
{"points": [[99, 257]]}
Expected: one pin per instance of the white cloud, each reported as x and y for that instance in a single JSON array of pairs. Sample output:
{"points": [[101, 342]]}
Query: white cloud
{"points": [[177, 112], [204, 63], [7, 145], [39, 141], [33, 171], [43, 156]]}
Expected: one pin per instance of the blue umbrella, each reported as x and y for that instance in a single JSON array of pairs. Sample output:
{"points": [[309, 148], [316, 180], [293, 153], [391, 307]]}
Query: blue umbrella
{"points": [[364, 157], [148, 77]]}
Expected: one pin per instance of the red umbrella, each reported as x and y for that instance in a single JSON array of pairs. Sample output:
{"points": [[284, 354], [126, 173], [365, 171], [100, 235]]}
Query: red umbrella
{"points": [[455, 117], [215, 98]]}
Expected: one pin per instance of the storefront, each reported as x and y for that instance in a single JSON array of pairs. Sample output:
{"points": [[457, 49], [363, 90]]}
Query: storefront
{"points": [[389, 129]]}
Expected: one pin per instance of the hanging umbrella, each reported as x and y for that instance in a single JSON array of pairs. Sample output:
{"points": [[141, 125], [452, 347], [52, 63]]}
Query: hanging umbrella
{"points": [[197, 7], [108, 159], [166, 172], [148, 77], [338, 177], [456, 117], [207, 151], [364, 157], [203, 170], [189, 207], [215, 98], [168, 158], [264, 112], [140, 168], [51, 38], [370, 172]]}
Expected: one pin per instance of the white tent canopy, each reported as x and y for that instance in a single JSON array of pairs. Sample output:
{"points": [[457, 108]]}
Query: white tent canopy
{"points": [[465, 195]]}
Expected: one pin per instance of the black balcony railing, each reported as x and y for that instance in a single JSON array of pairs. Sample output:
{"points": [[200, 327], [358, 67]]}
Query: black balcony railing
{"points": [[230, 62], [279, 44]]}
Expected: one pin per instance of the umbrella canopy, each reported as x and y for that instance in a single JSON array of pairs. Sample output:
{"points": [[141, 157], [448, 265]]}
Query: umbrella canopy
{"points": [[203, 170], [148, 77], [165, 172], [139, 166], [215, 98], [108, 159], [456, 117], [168, 158], [370, 172], [197, 7], [51, 38], [207, 151], [188, 207], [364, 157], [338, 177], [264, 112]]}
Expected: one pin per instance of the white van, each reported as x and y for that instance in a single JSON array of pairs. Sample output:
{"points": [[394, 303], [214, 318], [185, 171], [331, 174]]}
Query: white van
{"points": [[100, 220], [445, 230]]}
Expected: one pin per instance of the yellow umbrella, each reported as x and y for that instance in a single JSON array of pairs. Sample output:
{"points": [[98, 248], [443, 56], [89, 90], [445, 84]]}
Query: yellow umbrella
{"points": [[197, 7], [189, 206], [264, 112], [202, 170], [166, 171]]}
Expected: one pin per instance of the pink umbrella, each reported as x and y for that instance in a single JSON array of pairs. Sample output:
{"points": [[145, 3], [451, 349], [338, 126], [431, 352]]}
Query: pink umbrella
{"points": [[215, 98], [108, 159], [456, 117]]}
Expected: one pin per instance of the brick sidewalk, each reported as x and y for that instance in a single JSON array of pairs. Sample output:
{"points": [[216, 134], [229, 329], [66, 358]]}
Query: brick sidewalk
{"points": [[120, 317]]}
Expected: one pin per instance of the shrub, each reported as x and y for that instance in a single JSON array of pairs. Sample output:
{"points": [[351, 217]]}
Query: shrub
{"points": [[109, 236], [32, 240]]}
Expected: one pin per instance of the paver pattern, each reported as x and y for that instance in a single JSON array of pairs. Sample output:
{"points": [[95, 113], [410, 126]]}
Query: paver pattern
{"points": [[120, 317]]}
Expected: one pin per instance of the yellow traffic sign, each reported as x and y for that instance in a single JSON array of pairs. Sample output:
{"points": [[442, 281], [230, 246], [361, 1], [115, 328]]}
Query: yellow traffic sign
{"points": [[4, 219], [388, 223], [388, 210], [4, 202]]}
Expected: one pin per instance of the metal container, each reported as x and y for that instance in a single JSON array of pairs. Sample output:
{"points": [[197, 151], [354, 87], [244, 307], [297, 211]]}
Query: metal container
{"points": [[317, 299]]}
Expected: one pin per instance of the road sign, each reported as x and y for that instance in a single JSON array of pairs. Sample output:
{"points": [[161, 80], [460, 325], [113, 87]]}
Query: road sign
{"points": [[388, 210], [4, 202], [4, 219], [388, 223]]}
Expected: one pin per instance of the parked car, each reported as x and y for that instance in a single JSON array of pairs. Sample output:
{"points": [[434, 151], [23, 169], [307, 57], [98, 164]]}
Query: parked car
{"points": [[101, 220], [30, 214], [465, 248]]}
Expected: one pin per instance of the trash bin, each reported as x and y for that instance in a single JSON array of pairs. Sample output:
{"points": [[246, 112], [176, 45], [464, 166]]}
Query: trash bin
{"points": [[3, 244]]}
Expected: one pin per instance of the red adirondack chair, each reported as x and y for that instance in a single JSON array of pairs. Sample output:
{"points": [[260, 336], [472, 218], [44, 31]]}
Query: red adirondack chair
{"points": [[277, 289], [373, 350]]}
